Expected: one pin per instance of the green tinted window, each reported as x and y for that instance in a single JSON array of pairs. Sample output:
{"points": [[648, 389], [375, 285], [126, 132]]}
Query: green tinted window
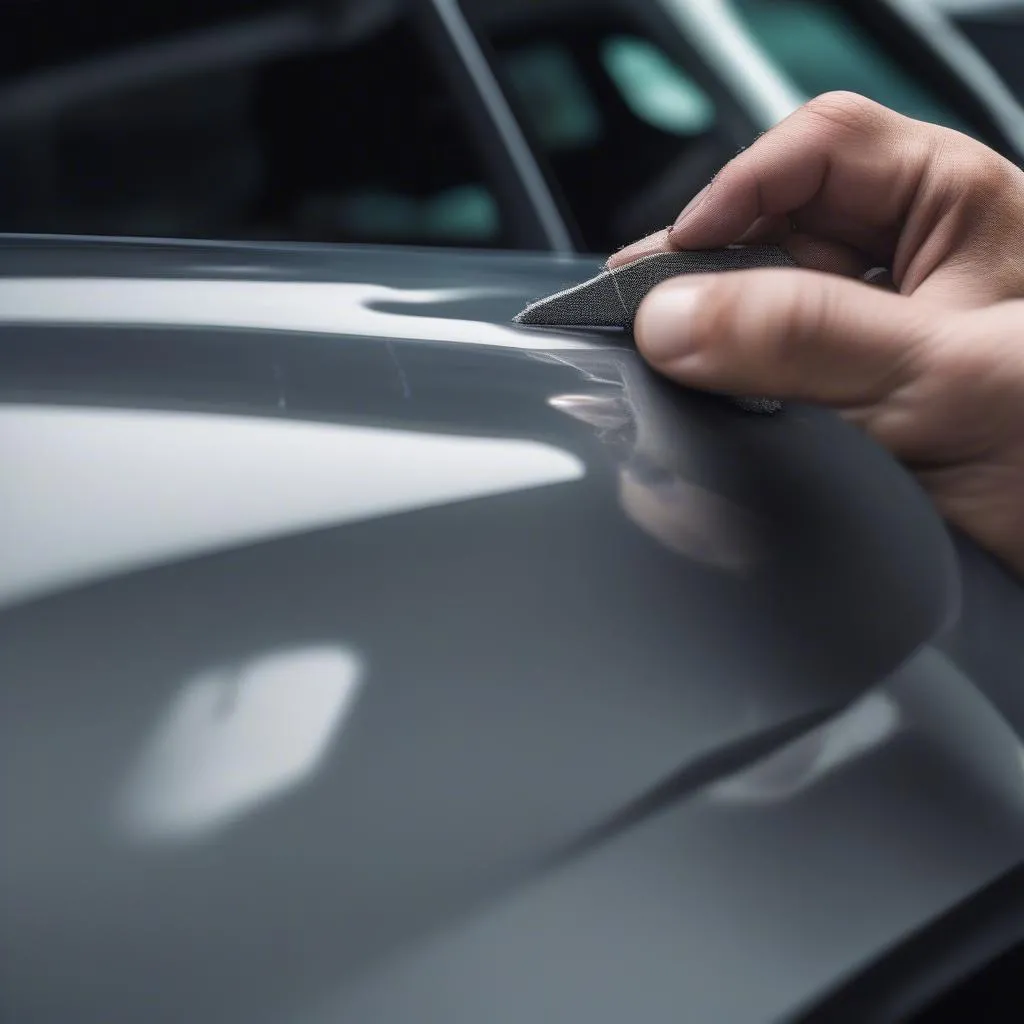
{"points": [[655, 89], [465, 215], [626, 125], [554, 96], [189, 148], [821, 48]]}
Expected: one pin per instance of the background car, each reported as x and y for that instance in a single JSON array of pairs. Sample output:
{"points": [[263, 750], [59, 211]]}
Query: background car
{"points": [[996, 28], [565, 125], [364, 657]]}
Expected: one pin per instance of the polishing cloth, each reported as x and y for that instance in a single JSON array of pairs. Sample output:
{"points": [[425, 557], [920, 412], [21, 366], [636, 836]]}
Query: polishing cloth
{"points": [[611, 299]]}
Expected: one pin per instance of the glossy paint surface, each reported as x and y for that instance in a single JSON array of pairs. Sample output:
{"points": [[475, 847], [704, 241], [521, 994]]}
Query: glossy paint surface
{"points": [[364, 657]]}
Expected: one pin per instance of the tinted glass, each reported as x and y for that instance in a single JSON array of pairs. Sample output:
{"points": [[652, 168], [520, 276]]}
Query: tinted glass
{"points": [[284, 124], [627, 132], [999, 35], [821, 47]]}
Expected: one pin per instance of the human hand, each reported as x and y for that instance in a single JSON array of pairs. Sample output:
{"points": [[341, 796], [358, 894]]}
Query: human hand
{"points": [[935, 371]]}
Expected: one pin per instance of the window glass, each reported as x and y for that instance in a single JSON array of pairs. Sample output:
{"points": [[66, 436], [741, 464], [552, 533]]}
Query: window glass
{"points": [[822, 48], [999, 36], [554, 91], [626, 132], [656, 90], [40, 34], [350, 136]]}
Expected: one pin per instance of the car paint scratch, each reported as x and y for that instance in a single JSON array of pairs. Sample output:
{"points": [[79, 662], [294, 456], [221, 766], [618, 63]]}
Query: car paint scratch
{"points": [[406, 388]]}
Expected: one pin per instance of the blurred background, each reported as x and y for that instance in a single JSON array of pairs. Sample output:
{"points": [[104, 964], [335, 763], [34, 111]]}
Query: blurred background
{"points": [[562, 124]]}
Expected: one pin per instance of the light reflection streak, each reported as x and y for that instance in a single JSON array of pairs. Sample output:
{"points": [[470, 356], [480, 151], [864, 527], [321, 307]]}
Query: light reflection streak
{"points": [[864, 726], [315, 306], [148, 487], [638, 423]]}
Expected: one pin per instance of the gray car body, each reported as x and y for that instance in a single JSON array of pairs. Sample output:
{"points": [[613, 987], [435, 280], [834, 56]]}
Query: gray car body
{"points": [[365, 658]]}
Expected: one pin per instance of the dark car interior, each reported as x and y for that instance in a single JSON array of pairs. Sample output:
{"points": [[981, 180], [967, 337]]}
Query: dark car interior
{"points": [[965, 967], [630, 126], [248, 120], [998, 32], [263, 119], [270, 121]]}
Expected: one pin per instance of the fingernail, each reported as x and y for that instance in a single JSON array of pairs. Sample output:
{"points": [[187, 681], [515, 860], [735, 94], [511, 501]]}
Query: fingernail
{"points": [[691, 206], [664, 322], [658, 242]]}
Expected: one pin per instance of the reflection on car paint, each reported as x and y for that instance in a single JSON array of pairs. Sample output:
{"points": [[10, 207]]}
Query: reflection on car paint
{"points": [[314, 306], [237, 736], [869, 723], [234, 480], [638, 423]]}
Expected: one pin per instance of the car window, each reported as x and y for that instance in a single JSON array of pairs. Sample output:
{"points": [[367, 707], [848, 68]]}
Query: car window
{"points": [[999, 36], [40, 34], [627, 132], [269, 127], [822, 48], [553, 89], [656, 90]]}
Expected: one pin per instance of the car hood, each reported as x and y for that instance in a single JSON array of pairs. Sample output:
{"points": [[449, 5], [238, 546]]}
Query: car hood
{"points": [[357, 644]]}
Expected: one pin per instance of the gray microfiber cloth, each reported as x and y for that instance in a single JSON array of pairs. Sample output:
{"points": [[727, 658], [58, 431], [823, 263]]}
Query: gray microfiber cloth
{"points": [[611, 299]]}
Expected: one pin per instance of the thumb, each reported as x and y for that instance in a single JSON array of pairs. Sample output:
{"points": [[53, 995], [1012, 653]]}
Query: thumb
{"points": [[942, 391], [783, 333]]}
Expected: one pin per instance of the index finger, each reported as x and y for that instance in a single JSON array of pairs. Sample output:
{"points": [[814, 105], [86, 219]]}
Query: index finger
{"points": [[842, 167]]}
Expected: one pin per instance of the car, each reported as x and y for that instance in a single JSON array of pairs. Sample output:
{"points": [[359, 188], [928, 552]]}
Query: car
{"points": [[567, 125], [367, 657], [995, 28]]}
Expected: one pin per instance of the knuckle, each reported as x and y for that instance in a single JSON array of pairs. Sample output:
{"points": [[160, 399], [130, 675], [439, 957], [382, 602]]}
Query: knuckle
{"points": [[715, 317], [975, 190], [799, 316], [755, 318], [953, 355], [972, 170], [988, 173], [848, 111]]}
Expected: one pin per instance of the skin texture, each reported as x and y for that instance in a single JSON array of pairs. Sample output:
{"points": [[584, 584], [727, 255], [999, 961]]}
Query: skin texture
{"points": [[932, 368]]}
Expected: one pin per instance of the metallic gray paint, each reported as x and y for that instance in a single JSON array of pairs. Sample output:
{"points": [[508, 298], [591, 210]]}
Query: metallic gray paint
{"points": [[661, 731]]}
